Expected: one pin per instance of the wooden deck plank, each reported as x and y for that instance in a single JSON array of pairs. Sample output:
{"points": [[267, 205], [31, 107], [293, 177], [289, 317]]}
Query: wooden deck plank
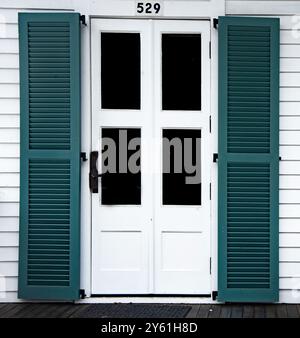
{"points": [[193, 312], [61, 311], [14, 310], [2, 305], [248, 311], [225, 311], [30, 311], [292, 311], [281, 311], [77, 309], [52, 310], [259, 311], [203, 311], [298, 307], [5, 309], [215, 311], [237, 311], [271, 311]]}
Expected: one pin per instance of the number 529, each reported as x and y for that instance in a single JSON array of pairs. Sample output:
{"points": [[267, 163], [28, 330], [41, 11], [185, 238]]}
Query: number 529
{"points": [[148, 8]]}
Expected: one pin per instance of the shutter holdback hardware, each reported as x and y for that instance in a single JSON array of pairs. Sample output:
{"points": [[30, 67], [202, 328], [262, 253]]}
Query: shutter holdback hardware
{"points": [[83, 156], [215, 23], [82, 20]]}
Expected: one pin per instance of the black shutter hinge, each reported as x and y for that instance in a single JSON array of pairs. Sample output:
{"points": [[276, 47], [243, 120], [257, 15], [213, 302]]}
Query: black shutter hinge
{"points": [[214, 295], [82, 293], [82, 20], [83, 156], [280, 158], [215, 23], [215, 157]]}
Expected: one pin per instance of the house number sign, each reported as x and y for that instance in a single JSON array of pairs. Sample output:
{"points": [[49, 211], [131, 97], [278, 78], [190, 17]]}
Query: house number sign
{"points": [[149, 8]]}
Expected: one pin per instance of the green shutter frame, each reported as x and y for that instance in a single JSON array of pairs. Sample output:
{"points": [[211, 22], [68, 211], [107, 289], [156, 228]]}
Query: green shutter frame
{"points": [[49, 245], [248, 164]]}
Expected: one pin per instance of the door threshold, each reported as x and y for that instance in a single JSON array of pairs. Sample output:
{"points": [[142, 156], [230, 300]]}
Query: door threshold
{"points": [[175, 299]]}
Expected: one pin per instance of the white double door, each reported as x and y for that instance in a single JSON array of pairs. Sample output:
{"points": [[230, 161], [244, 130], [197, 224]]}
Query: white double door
{"points": [[151, 224]]}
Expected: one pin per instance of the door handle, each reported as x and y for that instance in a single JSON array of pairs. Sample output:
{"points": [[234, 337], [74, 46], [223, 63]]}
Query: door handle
{"points": [[94, 175]]}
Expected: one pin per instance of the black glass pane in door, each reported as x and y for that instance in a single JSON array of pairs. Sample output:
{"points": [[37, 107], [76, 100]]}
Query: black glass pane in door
{"points": [[181, 167], [120, 70], [181, 71], [121, 164]]}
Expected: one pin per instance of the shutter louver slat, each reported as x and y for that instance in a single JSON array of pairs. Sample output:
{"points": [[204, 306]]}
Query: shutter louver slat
{"points": [[248, 159], [50, 156]]}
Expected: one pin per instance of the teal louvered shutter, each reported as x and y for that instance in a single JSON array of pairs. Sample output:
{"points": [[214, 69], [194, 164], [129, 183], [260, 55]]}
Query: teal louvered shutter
{"points": [[248, 159], [49, 252]]}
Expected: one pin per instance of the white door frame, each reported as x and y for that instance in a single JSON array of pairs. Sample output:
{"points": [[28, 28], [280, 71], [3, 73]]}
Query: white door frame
{"points": [[122, 119]]}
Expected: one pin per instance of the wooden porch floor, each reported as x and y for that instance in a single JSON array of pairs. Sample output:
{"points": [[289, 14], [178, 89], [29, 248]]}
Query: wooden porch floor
{"points": [[26, 310]]}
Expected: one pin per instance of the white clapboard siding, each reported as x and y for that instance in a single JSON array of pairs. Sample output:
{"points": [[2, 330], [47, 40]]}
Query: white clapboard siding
{"points": [[10, 194], [9, 135], [9, 269], [287, 168], [289, 65], [8, 31], [289, 79], [9, 90], [289, 123], [289, 269], [9, 179], [9, 75], [9, 61], [9, 165], [290, 196], [9, 121], [286, 182], [286, 94], [8, 16], [288, 137], [9, 46], [9, 224], [11, 284], [289, 240], [8, 254], [289, 180], [287, 225], [288, 283], [8, 239], [289, 36], [9, 150], [289, 108], [9, 105], [289, 254], [289, 211], [8, 209], [267, 7], [290, 153]]}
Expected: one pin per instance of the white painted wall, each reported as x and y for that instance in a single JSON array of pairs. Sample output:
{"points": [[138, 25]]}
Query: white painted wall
{"points": [[9, 125]]}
